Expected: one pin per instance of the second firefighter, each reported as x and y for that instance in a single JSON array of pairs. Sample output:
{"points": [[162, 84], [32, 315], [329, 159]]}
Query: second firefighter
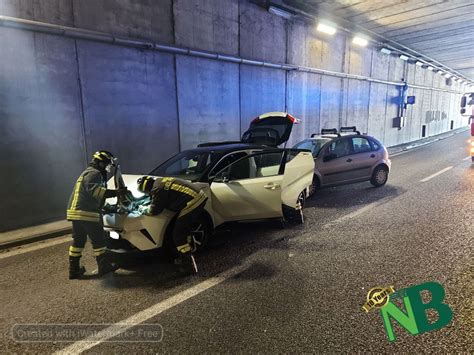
{"points": [[179, 196]]}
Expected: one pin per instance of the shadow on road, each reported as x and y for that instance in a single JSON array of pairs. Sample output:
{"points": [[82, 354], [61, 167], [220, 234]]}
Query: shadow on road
{"points": [[226, 250], [232, 247], [356, 195]]}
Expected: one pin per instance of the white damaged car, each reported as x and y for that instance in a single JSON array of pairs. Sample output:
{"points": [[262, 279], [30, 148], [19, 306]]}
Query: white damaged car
{"points": [[251, 179]]}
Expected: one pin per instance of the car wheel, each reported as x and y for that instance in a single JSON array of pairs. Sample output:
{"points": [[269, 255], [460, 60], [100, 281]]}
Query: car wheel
{"points": [[314, 186], [201, 233], [294, 215], [379, 176], [299, 216]]}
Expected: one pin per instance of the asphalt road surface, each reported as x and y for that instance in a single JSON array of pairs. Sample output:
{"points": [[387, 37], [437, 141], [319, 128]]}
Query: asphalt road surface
{"points": [[268, 289]]}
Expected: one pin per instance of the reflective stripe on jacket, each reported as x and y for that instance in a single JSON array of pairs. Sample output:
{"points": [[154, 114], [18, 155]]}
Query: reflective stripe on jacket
{"points": [[173, 194], [87, 197]]}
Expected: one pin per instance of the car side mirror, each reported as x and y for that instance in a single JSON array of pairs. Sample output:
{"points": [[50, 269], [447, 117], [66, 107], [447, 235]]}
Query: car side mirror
{"points": [[329, 157], [221, 177]]}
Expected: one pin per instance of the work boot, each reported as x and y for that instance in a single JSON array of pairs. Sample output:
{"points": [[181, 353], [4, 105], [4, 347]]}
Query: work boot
{"points": [[104, 265], [75, 270], [186, 264]]}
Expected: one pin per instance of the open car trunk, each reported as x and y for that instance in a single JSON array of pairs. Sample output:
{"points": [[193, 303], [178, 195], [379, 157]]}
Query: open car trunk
{"points": [[271, 128]]}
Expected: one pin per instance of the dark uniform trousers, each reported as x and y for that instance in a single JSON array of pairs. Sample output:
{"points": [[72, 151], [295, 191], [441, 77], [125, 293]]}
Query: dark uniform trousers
{"points": [[182, 233], [82, 229], [184, 198]]}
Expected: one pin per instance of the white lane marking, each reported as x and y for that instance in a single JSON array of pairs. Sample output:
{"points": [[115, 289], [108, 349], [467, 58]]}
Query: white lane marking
{"points": [[436, 174], [467, 158], [140, 317], [29, 248], [403, 152]]}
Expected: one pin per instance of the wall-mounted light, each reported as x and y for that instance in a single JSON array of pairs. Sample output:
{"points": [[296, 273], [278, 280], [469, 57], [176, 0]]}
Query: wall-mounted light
{"points": [[403, 57], [385, 51], [280, 12], [326, 27], [360, 40], [419, 63]]}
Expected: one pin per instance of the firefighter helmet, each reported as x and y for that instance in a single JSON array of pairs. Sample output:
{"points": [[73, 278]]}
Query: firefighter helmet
{"points": [[145, 184], [105, 157]]}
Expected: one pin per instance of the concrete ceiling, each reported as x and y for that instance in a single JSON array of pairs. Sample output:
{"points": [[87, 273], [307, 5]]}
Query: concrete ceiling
{"points": [[439, 29]]}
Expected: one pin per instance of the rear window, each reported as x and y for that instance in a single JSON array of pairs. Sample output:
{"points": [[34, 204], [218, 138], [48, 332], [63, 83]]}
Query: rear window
{"points": [[375, 144], [361, 145]]}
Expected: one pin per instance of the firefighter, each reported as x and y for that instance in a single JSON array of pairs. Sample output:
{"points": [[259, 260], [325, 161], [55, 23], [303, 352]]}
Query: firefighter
{"points": [[182, 197], [85, 203]]}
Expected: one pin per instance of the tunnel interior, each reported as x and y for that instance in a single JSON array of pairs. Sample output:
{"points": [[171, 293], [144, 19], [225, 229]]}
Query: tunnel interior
{"points": [[66, 94]]}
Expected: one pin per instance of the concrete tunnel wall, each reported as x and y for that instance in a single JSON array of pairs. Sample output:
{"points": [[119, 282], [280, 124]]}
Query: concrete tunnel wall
{"points": [[61, 99]]}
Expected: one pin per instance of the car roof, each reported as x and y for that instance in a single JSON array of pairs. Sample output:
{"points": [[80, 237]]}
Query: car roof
{"points": [[229, 147], [325, 136], [333, 136]]}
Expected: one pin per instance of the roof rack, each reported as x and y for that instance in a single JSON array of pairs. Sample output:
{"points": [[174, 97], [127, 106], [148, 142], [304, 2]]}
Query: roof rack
{"points": [[326, 131], [211, 144], [349, 129]]}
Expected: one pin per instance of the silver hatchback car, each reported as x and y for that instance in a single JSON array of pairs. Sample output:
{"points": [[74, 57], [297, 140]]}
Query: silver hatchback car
{"points": [[345, 157]]}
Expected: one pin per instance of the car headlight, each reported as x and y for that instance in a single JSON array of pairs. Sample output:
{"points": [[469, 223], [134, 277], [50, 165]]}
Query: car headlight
{"points": [[114, 235], [472, 143]]}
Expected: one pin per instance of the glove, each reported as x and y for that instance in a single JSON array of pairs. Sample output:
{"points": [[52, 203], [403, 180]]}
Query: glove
{"points": [[143, 209], [122, 191], [107, 209]]}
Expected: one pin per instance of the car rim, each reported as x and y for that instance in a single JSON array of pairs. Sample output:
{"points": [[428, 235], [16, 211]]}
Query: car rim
{"points": [[299, 206], [381, 176], [198, 235]]}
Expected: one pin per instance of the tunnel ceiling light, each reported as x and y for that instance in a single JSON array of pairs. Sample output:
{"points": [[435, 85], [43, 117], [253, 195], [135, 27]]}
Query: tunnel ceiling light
{"points": [[326, 27], [360, 40], [280, 12], [429, 67], [440, 72], [385, 51], [419, 63], [403, 57], [447, 75]]}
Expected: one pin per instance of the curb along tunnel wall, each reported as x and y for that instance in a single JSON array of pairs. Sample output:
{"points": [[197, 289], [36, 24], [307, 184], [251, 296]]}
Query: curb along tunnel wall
{"points": [[61, 99]]}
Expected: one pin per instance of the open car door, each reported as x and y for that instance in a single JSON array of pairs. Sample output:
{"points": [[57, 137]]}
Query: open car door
{"points": [[298, 176], [249, 188], [257, 186], [271, 128]]}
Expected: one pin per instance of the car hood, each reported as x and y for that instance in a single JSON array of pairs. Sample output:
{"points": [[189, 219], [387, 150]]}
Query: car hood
{"points": [[271, 128]]}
